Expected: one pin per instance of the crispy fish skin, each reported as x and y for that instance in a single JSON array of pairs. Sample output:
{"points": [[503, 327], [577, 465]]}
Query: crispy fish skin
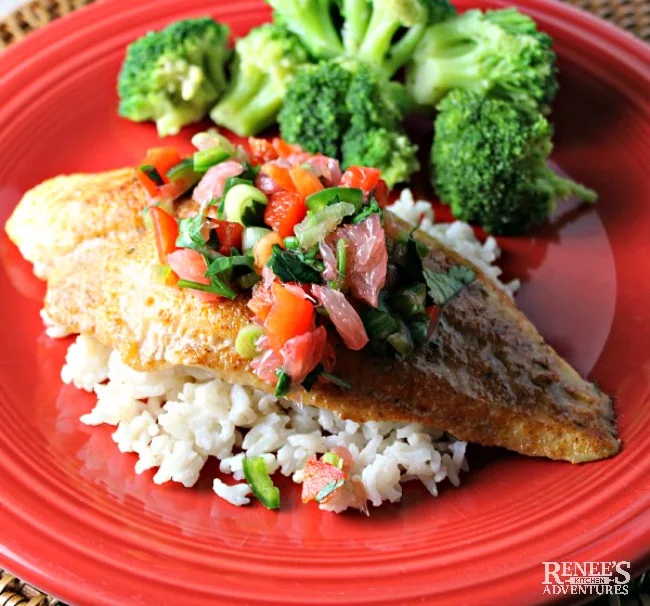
{"points": [[55, 217], [488, 376]]}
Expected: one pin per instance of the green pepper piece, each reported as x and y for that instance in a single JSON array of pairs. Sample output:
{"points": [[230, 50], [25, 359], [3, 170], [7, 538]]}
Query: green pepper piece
{"points": [[258, 478], [332, 195]]}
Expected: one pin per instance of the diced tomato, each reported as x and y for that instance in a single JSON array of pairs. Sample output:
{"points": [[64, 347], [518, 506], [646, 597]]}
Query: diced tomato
{"points": [[290, 316], [381, 193], [317, 476], [190, 265], [229, 234], [301, 354], [279, 174], [264, 249], [306, 182], [361, 177], [283, 211], [262, 151], [284, 149], [166, 230], [162, 159], [434, 315]]}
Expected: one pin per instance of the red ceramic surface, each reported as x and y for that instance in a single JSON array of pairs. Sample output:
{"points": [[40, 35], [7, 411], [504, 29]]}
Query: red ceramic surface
{"points": [[76, 520]]}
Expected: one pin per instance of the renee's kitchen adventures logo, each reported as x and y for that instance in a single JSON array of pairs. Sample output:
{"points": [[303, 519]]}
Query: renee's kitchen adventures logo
{"points": [[586, 578]]}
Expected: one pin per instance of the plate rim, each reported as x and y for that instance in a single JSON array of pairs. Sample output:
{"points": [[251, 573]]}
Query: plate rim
{"points": [[629, 47]]}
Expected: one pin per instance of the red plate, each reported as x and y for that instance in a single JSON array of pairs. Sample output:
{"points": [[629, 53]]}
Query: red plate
{"points": [[76, 521]]}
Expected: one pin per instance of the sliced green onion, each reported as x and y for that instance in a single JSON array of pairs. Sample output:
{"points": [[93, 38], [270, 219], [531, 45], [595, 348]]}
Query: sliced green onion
{"points": [[207, 158], [247, 281], [246, 338], [409, 301], [401, 340], [332, 195], [224, 263], [284, 384], [317, 225], [244, 204], [257, 476], [333, 459], [291, 242], [252, 235], [218, 288], [336, 380], [153, 174], [341, 258], [212, 138]]}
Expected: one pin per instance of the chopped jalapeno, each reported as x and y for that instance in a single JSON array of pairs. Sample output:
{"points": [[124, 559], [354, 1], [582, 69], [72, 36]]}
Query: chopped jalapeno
{"points": [[257, 476], [207, 158], [332, 195]]}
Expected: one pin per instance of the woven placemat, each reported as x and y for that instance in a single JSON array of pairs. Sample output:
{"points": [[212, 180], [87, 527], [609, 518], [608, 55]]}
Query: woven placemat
{"points": [[632, 15]]}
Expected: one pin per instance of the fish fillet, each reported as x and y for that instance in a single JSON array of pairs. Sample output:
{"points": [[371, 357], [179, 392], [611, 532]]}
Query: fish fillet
{"points": [[488, 376], [56, 216]]}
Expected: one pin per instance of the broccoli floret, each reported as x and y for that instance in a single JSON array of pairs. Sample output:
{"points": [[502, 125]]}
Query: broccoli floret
{"points": [[395, 28], [346, 109], [500, 53], [375, 136], [314, 114], [489, 163], [390, 151], [264, 65], [313, 22], [175, 75]]}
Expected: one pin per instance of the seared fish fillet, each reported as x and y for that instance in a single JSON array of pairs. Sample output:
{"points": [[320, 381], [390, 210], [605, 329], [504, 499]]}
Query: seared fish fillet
{"points": [[488, 377], [56, 216]]}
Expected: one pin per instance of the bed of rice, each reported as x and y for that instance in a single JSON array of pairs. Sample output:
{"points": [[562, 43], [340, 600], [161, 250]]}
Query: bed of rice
{"points": [[176, 418]]}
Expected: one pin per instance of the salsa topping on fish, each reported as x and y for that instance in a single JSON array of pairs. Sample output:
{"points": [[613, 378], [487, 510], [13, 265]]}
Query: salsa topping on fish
{"points": [[307, 242]]}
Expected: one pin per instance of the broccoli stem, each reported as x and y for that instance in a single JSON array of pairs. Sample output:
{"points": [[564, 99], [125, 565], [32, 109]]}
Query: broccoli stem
{"points": [[250, 106], [319, 34], [356, 13], [564, 188], [378, 38]]}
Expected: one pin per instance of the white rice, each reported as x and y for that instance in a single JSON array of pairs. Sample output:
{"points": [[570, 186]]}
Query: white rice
{"points": [[175, 419], [457, 235]]}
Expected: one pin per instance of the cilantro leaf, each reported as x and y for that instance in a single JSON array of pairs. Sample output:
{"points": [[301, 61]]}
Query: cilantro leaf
{"points": [[284, 384], [368, 210], [216, 287], [288, 266], [444, 286], [223, 263]]}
